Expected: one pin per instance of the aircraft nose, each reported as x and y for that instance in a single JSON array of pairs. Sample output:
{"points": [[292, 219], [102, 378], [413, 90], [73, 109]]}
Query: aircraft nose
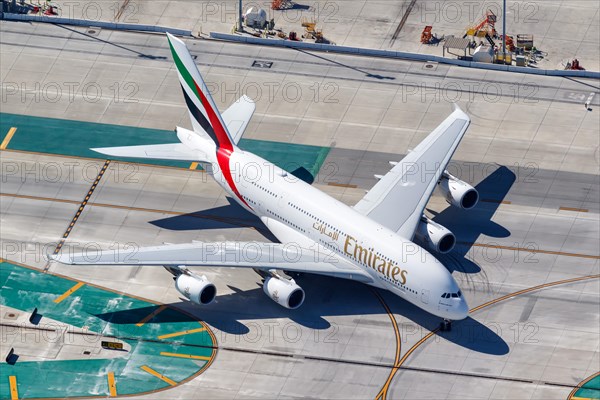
{"points": [[462, 310]]}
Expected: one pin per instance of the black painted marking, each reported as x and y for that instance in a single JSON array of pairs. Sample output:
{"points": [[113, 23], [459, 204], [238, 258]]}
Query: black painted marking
{"points": [[199, 117], [79, 211], [262, 64]]}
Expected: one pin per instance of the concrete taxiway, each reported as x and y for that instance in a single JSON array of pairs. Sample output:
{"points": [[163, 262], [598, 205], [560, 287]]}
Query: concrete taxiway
{"points": [[528, 259]]}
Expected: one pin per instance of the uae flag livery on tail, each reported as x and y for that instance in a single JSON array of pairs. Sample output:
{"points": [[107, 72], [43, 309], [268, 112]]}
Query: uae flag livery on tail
{"points": [[204, 114]]}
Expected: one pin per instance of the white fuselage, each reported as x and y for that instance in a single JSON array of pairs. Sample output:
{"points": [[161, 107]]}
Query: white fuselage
{"points": [[302, 213]]}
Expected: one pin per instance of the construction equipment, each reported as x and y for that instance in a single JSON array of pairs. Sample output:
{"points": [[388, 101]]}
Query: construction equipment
{"points": [[426, 35], [510, 43], [311, 31], [485, 26], [525, 41], [281, 4]]}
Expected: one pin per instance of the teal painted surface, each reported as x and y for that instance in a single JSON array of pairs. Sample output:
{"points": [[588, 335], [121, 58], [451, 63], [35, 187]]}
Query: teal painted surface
{"points": [[591, 390], [106, 312], [75, 138]]}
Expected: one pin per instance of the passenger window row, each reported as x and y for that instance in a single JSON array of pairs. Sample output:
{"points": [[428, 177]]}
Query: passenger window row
{"points": [[263, 189]]}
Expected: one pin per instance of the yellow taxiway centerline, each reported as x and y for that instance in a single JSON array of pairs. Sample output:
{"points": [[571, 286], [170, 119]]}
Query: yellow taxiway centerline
{"points": [[7, 138], [112, 387], [382, 395], [170, 335], [68, 292], [151, 315], [14, 392], [166, 354], [158, 375]]}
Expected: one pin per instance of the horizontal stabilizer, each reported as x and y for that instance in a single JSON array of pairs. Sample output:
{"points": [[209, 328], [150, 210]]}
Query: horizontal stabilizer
{"points": [[237, 117], [171, 151]]}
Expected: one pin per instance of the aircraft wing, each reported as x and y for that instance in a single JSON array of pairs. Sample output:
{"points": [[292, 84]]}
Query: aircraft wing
{"points": [[237, 117], [397, 201], [264, 256]]}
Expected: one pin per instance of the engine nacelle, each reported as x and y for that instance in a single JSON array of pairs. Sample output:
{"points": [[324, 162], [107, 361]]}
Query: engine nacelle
{"points": [[435, 236], [284, 292], [198, 289], [458, 193]]}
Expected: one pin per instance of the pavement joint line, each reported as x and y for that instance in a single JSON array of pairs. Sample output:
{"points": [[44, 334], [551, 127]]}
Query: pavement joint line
{"points": [[14, 390], [241, 222], [151, 315], [79, 211], [158, 375], [179, 355], [7, 138], [68, 292], [112, 387], [189, 331]]}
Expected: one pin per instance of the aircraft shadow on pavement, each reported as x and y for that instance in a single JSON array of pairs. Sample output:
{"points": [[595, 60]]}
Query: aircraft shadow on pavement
{"points": [[251, 311], [236, 313], [468, 225], [231, 215]]}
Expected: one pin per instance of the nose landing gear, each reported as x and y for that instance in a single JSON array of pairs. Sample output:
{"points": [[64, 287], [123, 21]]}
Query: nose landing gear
{"points": [[446, 325]]}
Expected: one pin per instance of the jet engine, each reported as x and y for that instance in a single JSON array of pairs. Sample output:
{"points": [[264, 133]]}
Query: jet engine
{"points": [[435, 236], [457, 192], [284, 292], [198, 289]]}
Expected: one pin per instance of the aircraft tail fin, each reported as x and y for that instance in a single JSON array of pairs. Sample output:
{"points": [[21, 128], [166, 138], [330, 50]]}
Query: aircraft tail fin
{"points": [[204, 114]]}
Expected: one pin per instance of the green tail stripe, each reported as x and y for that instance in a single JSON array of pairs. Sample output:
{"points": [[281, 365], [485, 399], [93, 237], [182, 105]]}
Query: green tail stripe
{"points": [[184, 72]]}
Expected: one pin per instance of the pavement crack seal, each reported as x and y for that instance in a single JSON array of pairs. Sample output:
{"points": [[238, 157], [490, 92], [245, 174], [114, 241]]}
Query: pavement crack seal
{"points": [[382, 395], [79, 211], [402, 22]]}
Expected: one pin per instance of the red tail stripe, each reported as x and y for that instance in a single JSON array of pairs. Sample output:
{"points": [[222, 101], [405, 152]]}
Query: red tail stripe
{"points": [[222, 136], [225, 147]]}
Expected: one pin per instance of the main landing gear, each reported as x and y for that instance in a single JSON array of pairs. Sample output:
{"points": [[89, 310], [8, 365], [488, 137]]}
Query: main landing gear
{"points": [[446, 325]]}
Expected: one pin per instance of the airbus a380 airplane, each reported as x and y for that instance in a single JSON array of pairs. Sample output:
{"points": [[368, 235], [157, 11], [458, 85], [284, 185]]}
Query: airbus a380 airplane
{"points": [[371, 242]]}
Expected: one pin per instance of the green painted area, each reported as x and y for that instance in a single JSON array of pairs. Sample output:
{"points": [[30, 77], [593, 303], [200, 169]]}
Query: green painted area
{"points": [[591, 389], [75, 138], [106, 312]]}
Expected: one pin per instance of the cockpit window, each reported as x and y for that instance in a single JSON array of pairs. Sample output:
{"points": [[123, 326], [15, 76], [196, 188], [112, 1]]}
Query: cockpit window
{"points": [[453, 295]]}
